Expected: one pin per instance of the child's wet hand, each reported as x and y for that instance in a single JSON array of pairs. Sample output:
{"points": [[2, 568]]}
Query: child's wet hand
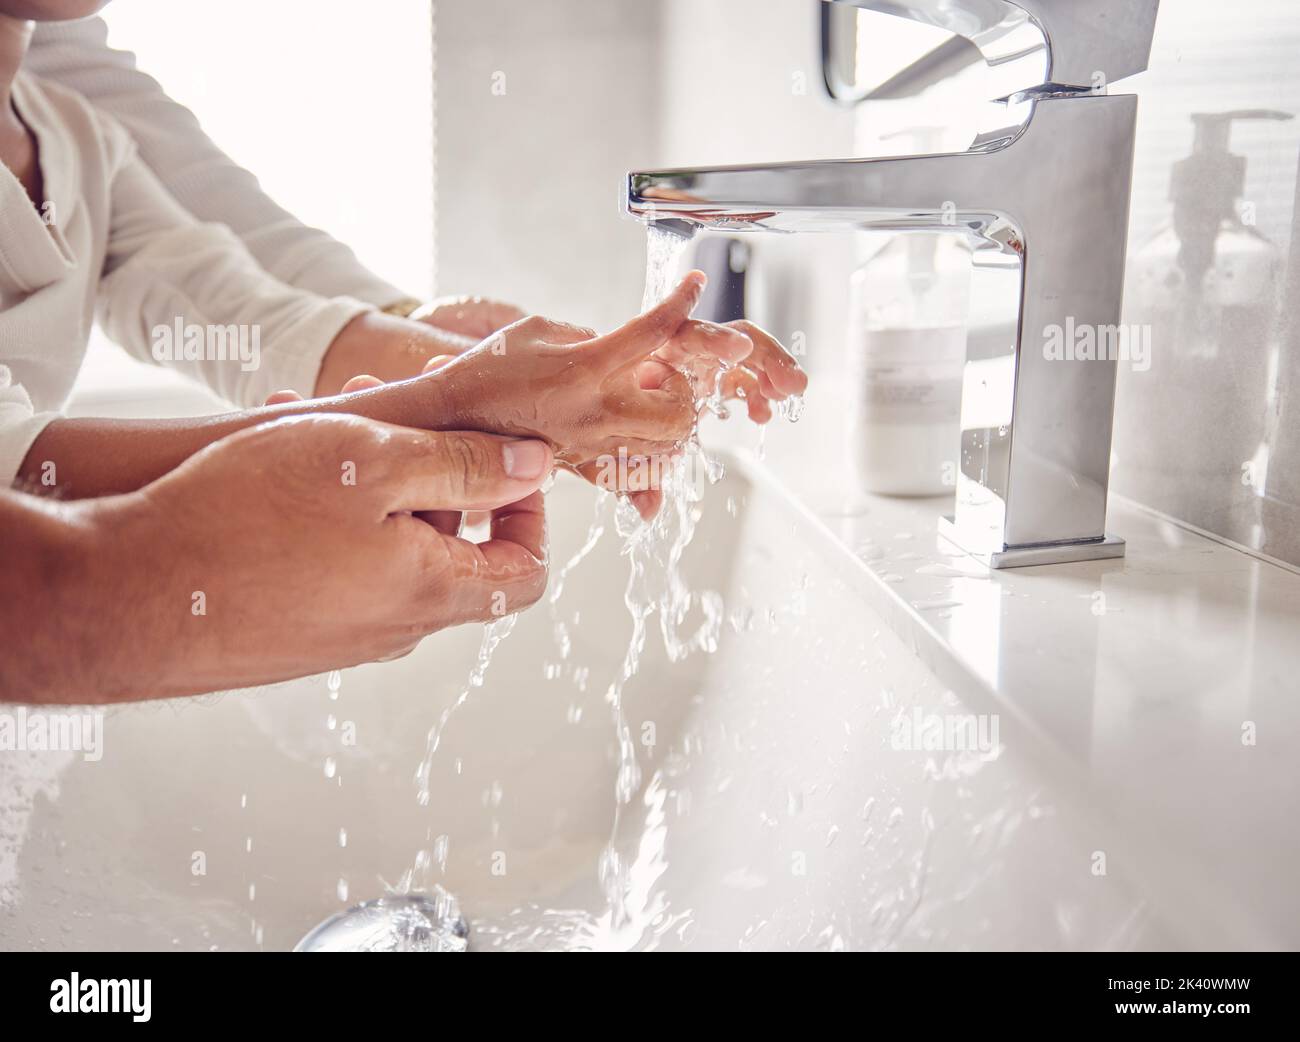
{"points": [[758, 374], [581, 392]]}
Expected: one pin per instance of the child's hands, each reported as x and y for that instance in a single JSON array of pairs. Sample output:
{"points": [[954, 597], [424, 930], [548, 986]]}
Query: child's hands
{"points": [[629, 395], [581, 392], [614, 408], [766, 375]]}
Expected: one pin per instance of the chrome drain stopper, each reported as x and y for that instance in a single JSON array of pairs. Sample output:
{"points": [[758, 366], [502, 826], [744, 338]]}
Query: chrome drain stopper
{"points": [[398, 923]]}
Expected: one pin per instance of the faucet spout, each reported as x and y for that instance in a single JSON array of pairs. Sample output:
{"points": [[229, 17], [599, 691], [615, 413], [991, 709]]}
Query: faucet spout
{"points": [[902, 193], [1045, 207]]}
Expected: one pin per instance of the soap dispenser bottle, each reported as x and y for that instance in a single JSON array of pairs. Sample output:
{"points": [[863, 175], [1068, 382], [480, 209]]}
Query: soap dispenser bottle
{"points": [[906, 354], [1205, 286], [1209, 263]]}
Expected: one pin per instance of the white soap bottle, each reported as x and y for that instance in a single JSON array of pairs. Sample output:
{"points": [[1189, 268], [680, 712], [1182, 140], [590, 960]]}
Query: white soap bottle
{"points": [[906, 353]]}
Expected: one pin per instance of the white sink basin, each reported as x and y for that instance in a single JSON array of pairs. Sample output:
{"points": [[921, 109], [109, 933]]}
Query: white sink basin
{"points": [[773, 811]]}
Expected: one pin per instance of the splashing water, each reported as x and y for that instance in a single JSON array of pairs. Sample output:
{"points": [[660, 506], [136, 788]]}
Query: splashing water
{"points": [[418, 877], [655, 585], [493, 634], [594, 533]]}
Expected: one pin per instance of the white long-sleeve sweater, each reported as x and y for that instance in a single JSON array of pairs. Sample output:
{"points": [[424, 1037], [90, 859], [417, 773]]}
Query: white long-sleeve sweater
{"points": [[110, 241]]}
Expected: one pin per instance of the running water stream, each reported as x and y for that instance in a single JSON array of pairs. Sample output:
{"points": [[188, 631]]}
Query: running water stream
{"points": [[655, 585], [419, 877]]}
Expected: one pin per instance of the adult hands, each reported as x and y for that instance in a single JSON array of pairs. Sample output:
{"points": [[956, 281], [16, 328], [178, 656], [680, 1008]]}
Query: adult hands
{"points": [[304, 544]]}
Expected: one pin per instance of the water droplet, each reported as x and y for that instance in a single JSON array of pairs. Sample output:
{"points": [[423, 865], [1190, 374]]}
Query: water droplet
{"points": [[792, 408]]}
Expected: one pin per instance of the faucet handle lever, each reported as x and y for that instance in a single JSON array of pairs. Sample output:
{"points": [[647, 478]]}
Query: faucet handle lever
{"points": [[1072, 43]]}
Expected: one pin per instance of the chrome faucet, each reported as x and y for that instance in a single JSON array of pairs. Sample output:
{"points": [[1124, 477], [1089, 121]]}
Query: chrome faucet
{"points": [[1044, 203]]}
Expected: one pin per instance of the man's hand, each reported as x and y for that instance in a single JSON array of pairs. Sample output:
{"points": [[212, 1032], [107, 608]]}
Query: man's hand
{"points": [[298, 546]]}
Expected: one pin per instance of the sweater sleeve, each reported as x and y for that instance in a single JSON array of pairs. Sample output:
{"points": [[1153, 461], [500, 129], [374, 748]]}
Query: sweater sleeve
{"points": [[20, 425], [202, 178], [182, 293]]}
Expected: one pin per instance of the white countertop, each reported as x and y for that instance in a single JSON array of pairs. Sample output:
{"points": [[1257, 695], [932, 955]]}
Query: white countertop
{"points": [[1162, 689]]}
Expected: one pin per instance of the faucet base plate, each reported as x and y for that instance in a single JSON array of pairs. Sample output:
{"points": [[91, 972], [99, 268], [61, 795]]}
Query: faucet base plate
{"points": [[1025, 556]]}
